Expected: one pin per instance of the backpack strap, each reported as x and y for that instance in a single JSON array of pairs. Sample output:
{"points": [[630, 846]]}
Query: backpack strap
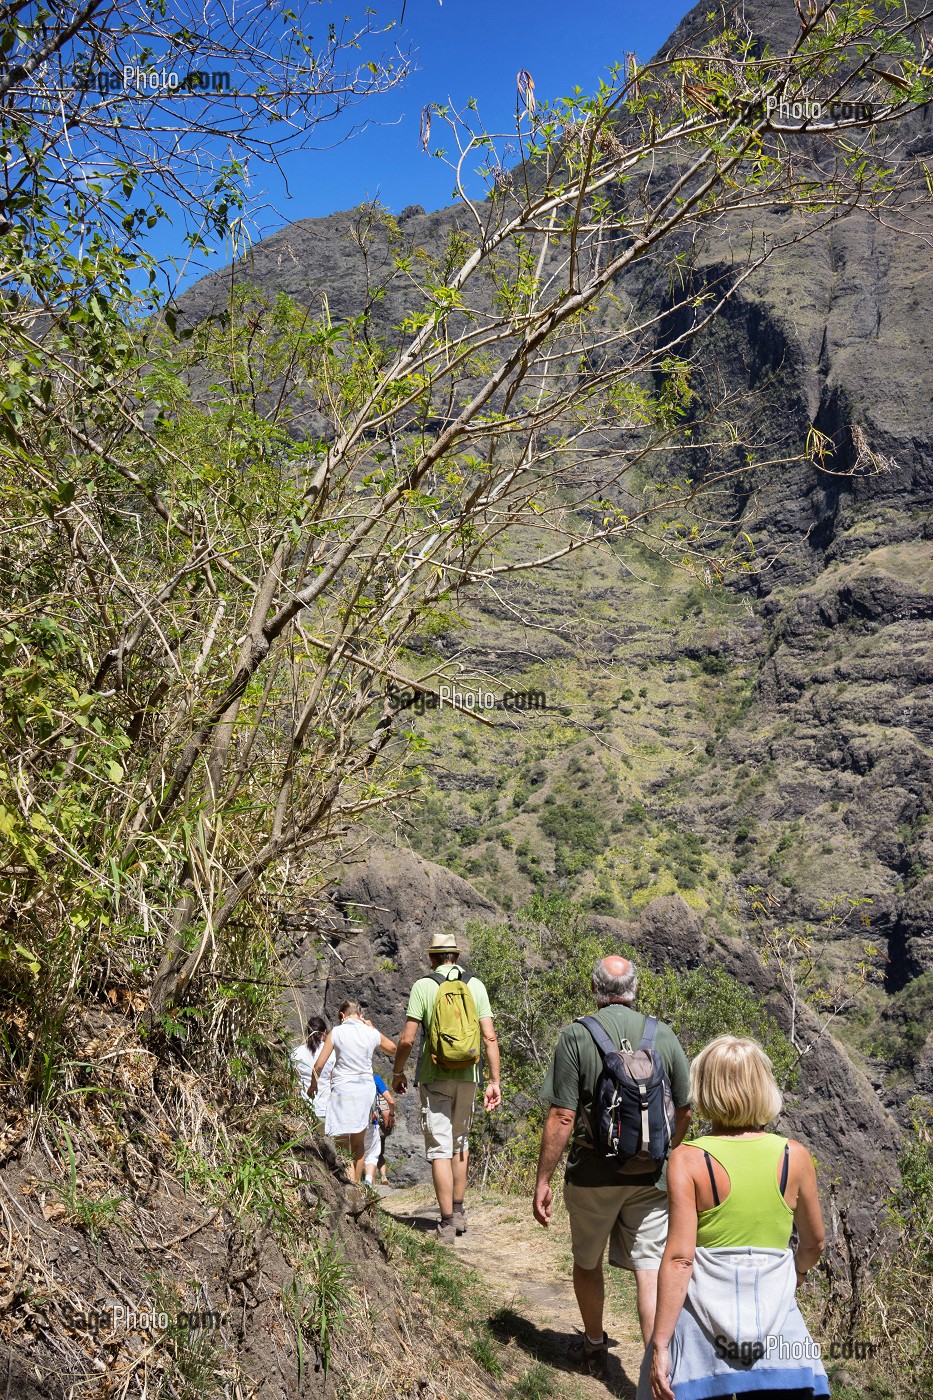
{"points": [[603, 1042], [650, 1033], [712, 1179], [785, 1167], [440, 979]]}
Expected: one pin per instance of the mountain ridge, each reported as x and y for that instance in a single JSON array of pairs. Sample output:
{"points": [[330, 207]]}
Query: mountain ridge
{"points": [[784, 722]]}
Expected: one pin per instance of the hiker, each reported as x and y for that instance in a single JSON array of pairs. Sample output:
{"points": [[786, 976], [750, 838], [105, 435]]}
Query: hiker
{"points": [[349, 1106], [726, 1306], [381, 1125], [303, 1058], [452, 1009], [615, 1199]]}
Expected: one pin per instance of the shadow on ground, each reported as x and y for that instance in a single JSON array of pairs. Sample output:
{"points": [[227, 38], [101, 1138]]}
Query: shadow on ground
{"points": [[424, 1224], [546, 1344]]}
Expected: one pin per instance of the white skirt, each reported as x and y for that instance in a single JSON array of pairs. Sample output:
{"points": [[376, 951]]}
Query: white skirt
{"points": [[349, 1108]]}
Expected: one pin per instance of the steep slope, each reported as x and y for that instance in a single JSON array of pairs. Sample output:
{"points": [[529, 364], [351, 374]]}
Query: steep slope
{"points": [[764, 748]]}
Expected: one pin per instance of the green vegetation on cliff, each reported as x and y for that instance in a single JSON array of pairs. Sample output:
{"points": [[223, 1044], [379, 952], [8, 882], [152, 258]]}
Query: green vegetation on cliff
{"points": [[230, 537]]}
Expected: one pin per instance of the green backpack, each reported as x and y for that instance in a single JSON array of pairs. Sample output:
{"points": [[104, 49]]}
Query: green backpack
{"points": [[454, 1037]]}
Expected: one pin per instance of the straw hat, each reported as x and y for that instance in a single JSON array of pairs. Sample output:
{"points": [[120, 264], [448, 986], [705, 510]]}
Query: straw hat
{"points": [[444, 943]]}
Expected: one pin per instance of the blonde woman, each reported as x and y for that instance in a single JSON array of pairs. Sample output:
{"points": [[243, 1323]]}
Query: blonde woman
{"points": [[727, 1322], [352, 1089]]}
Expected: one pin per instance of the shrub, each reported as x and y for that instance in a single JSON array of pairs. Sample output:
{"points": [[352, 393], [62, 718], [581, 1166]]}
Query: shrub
{"points": [[890, 1279], [578, 834]]}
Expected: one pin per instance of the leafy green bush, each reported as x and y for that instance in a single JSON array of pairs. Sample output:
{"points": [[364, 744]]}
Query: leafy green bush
{"points": [[578, 834], [714, 665]]}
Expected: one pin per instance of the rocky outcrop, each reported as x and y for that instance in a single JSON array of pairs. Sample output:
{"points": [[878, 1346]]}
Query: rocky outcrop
{"points": [[817, 786], [833, 1108]]}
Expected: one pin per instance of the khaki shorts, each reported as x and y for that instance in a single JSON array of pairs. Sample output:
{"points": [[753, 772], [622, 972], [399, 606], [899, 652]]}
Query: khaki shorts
{"points": [[633, 1219], [446, 1115]]}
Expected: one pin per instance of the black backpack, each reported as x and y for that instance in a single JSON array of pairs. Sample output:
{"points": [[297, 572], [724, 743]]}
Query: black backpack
{"points": [[633, 1107]]}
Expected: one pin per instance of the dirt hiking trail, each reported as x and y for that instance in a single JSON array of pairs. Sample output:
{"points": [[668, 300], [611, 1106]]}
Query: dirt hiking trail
{"points": [[526, 1273]]}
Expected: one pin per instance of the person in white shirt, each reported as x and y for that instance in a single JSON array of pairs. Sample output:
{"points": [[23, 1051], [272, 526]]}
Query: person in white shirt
{"points": [[352, 1044], [304, 1054], [303, 1058]]}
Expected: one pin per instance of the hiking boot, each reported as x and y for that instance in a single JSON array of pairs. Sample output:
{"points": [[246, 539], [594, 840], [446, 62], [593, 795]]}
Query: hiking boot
{"points": [[446, 1234], [590, 1356], [460, 1220]]}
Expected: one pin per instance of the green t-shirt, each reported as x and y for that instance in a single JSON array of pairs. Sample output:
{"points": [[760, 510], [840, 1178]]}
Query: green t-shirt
{"points": [[575, 1069], [421, 1008]]}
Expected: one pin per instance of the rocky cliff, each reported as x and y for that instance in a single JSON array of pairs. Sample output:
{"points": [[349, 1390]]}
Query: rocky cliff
{"points": [[761, 749]]}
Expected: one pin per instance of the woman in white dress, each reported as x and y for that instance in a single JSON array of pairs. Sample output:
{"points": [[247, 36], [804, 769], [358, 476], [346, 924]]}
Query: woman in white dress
{"points": [[349, 1108], [303, 1058]]}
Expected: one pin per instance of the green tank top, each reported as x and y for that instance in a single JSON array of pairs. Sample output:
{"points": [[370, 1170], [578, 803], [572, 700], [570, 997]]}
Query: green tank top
{"points": [[754, 1212]]}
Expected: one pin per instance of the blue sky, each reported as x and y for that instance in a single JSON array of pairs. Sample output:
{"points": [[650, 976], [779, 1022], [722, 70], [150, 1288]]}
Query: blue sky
{"points": [[463, 49]]}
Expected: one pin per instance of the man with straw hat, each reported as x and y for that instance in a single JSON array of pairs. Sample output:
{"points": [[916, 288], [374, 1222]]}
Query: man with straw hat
{"points": [[452, 1009]]}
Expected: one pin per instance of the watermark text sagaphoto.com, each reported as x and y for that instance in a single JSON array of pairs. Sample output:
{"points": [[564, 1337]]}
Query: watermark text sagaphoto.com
{"points": [[451, 697], [780, 1349], [804, 109], [123, 1319], [152, 81]]}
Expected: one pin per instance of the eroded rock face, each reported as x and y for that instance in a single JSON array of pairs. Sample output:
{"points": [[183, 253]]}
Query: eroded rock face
{"points": [[834, 1109], [838, 730]]}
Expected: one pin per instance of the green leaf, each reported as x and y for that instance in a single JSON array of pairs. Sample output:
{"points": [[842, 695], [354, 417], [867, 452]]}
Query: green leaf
{"points": [[32, 962]]}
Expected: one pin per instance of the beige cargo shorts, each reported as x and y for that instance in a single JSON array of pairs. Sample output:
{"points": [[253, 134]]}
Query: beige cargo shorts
{"points": [[631, 1219], [446, 1115]]}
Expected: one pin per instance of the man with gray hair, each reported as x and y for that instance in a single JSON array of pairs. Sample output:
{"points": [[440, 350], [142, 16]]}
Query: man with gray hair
{"points": [[631, 1214]]}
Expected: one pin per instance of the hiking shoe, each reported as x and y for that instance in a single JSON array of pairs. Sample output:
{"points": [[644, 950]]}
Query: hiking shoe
{"points": [[460, 1221], [446, 1234], [590, 1356]]}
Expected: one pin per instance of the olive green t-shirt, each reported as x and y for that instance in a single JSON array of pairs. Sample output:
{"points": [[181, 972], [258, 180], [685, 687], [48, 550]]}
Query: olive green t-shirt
{"points": [[575, 1069], [421, 1008]]}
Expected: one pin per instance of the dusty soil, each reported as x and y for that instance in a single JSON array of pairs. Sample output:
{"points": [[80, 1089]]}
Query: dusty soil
{"points": [[526, 1271]]}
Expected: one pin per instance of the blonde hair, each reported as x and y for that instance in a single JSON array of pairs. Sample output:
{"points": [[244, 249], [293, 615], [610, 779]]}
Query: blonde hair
{"points": [[732, 1084], [349, 1008]]}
